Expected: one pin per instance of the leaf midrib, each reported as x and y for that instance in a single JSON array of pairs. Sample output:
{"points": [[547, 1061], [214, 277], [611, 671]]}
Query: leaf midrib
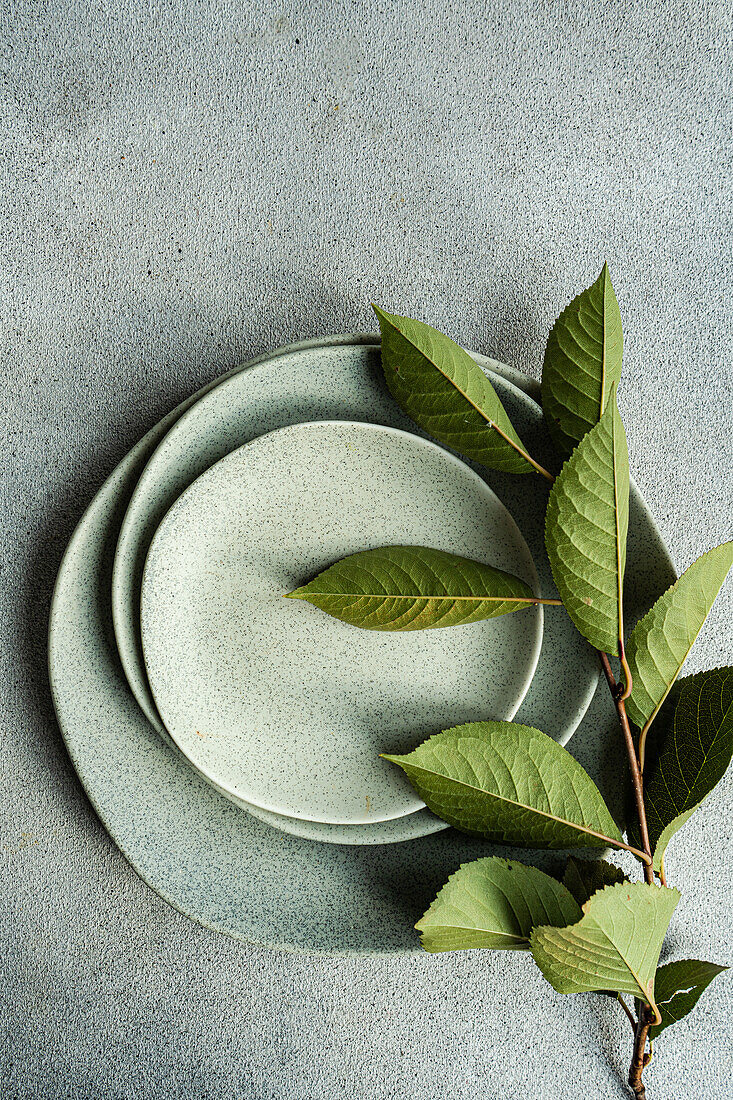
{"points": [[658, 707], [645, 992], [602, 402], [452, 599], [619, 576], [491, 424], [523, 806], [432, 929]]}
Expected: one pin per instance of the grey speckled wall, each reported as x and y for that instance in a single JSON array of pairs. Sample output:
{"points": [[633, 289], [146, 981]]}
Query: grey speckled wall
{"points": [[187, 184]]}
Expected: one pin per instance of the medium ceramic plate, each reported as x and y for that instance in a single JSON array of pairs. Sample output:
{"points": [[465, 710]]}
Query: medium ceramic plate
{"points": [[215, 864], [280, 704], [340, 379], [341, 382]]}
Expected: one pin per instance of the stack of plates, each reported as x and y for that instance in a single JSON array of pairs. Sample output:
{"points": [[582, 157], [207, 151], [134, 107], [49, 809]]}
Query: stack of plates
{"points": [[230, 739]]}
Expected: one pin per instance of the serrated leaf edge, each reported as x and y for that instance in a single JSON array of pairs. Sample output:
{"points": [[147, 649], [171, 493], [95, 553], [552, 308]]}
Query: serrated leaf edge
{"points": [[620, 567], [668, 832], [646, 996], [383, 315], [645, 728], [521, 941], [565, 441], [399, 760]]}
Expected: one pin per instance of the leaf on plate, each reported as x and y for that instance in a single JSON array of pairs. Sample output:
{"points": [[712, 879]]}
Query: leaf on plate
{"points": [[414, 588], [582, 363], [585, 531], [693, 747], [585, 877], [614, 946], [443, 390], [510, 783], [494, 903], [660, 642], [678, 987]]}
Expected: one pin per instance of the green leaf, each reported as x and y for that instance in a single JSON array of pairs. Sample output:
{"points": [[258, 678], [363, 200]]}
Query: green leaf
{"points": [[582, 363], [440, 386], [585, 531], [585, 877], [615, 946], [510, 783], [660, 642], [494, 903], [414, 588], [678, 987], [693, 748]]}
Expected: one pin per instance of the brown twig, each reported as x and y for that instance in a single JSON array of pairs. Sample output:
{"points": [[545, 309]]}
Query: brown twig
{"points": [[640, 1057], [636, 782]]}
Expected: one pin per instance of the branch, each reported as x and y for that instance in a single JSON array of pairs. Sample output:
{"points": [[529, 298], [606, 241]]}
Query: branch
{"points": [[640, 1058], [636, 782]]}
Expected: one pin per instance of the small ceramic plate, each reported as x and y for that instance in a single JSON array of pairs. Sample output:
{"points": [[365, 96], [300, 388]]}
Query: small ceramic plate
{"points": [[209, 860], [160, 484], [273, 700]]}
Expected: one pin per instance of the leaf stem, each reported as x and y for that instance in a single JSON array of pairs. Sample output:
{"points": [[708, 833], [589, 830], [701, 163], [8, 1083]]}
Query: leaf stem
{"points": [[628, 1011], [642, 744], [643, 857], [636, 781], [628, 678]]}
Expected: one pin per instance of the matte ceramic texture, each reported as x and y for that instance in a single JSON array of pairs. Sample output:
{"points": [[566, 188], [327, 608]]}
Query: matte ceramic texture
{"points": [[277, 702], [141, 518], [215, 864], [177, 463], [139, 526], [321, 381], [345, 382]]}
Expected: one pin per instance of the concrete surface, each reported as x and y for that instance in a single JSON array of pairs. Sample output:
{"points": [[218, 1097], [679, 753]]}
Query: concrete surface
{"points": [[187, 184]]}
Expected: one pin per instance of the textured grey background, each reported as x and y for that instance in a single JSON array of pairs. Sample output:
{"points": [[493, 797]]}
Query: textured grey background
{"points": [[187, 184]]}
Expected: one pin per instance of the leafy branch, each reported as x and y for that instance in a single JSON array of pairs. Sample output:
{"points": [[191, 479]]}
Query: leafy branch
{"points": [[510, 783]]}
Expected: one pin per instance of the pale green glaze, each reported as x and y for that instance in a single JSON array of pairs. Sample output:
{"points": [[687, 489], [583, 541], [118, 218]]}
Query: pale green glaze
{"points": [[280, 704], [216, 864]]}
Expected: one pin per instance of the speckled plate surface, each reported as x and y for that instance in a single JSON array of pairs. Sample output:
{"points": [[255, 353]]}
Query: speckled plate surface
{"points": [[339, 378], [280, 704], [215, 864], [340, 382]]}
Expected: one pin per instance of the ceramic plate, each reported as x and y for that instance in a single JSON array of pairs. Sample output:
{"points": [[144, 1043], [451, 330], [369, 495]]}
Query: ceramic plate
{"points": [[339, 378], [281, 704], [338, 383], [215, 864]]}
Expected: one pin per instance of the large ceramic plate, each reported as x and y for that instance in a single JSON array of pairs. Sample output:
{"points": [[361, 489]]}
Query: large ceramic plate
{"points": [[281, 704], [214, 863]]}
